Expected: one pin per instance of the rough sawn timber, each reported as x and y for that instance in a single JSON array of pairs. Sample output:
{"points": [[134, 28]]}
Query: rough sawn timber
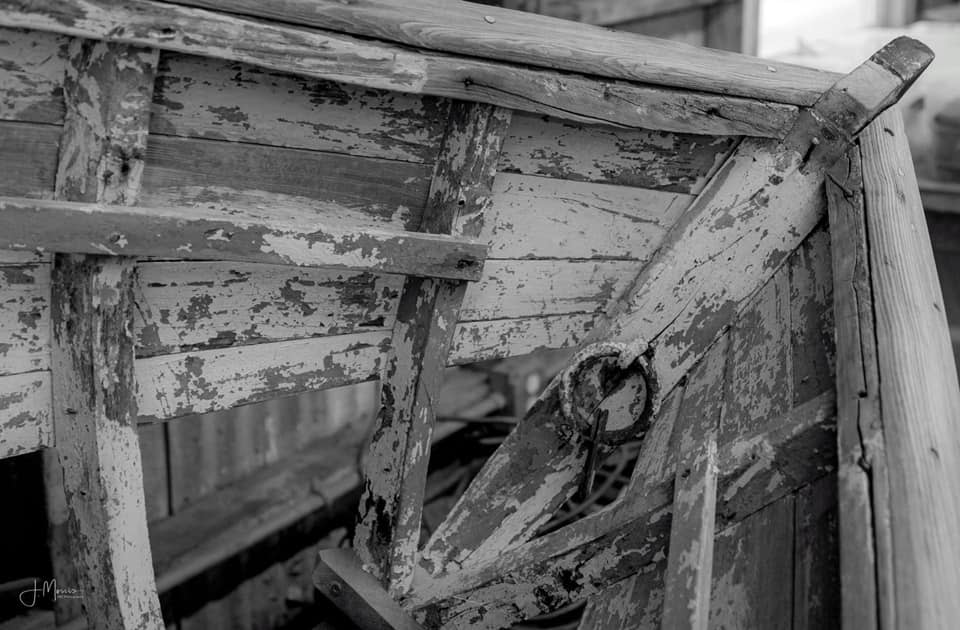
{"points": [[340, 57], [395, 472], [107, 93]]}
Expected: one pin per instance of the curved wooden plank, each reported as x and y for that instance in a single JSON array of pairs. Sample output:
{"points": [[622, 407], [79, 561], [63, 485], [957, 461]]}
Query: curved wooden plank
{"points": [[490, 32], [339, 57]]}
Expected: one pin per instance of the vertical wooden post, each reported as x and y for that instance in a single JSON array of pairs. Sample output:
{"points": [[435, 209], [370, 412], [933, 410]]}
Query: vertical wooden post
{"points": [[395, 468], [107, 91]]}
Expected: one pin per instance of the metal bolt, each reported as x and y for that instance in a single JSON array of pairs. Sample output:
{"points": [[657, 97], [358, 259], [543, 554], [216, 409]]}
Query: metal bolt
{"points": [[336, 589]]}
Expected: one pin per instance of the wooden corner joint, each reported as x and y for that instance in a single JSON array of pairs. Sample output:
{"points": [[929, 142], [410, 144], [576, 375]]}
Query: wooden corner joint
{"points": [[824, 131]]}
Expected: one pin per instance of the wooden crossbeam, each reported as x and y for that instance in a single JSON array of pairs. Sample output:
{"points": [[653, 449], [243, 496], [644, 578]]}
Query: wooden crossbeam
{"points": [[107, 91], [395, 470], [376, 64], [216, 234]]}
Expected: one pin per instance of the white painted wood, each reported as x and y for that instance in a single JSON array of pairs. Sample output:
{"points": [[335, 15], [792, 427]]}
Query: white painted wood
{"points": [[539, 217], [25, 422], [479, 341], [24, 318]]}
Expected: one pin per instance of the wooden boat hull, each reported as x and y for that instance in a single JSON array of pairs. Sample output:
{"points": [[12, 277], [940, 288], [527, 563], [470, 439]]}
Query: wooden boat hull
{"points": [[192, 225]]}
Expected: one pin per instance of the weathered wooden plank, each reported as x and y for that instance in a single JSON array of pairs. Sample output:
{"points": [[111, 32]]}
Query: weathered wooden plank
{"points": [[496, 339], [388, 528], [219, 99], [636, 602], [332, 56], [863, 488], [188, 171], [31, 80], [224, 234], [552, 147], [25, 423], [28, 158], [95, 413], [686, 600], [153, 454], [753, 560], [918, 384], [811, 317], [524, 288], [24, 318], [816, 557], [538, 217], [760, 386], [202, 305], [210, 380], [107, 92], [529, 39]]}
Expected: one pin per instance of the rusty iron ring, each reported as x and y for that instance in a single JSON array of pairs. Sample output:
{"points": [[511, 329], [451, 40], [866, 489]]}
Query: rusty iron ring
{"points": [[600, 350]]}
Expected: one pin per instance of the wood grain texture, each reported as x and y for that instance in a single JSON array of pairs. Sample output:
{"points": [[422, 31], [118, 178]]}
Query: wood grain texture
{"points": [[540, 217], [338, 57], [862, 484], [919, 395], [202, 172], [210, 380], [31, 80], [224, 100], [28, 156], [552, 147], [388, 529], [751, 560], [225, 234], [490, 32], [203, 305]]}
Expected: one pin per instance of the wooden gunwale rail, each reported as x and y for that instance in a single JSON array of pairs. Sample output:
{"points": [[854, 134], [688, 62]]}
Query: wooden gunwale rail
{"points": [[732, 94]]}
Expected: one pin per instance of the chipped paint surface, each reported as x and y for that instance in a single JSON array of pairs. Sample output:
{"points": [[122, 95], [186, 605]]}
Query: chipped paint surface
{"points": [[223, 100], [478, 341], [538, 217], [646, 159], [31, 75], [219, 234], [191, 306], [25, 421], [210, 380], [24, 318]]}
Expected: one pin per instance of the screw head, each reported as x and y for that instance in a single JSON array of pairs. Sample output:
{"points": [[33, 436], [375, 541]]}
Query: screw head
{"points": [[336, 589]]}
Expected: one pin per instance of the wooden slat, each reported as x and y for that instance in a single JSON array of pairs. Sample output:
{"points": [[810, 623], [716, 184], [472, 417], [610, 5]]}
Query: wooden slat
{"points": [[388, 529], [539, 217], [193, 171], [202, 233], [863, 490], [918, 384], [811, 317], [686, 599], [553, 147], [25, 325], [211, 380], [107, 93], [219, 99], [204, 305], [816, 557], [328, 55], [462, 28]]}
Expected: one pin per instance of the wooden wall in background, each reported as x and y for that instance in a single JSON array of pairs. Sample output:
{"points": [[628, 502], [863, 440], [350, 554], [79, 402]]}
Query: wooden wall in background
{"points": [[724, 24]]}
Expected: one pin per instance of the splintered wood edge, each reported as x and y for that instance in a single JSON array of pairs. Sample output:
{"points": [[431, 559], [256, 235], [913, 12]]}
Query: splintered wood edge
{"points": [[89, 228], [765, 112]]}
